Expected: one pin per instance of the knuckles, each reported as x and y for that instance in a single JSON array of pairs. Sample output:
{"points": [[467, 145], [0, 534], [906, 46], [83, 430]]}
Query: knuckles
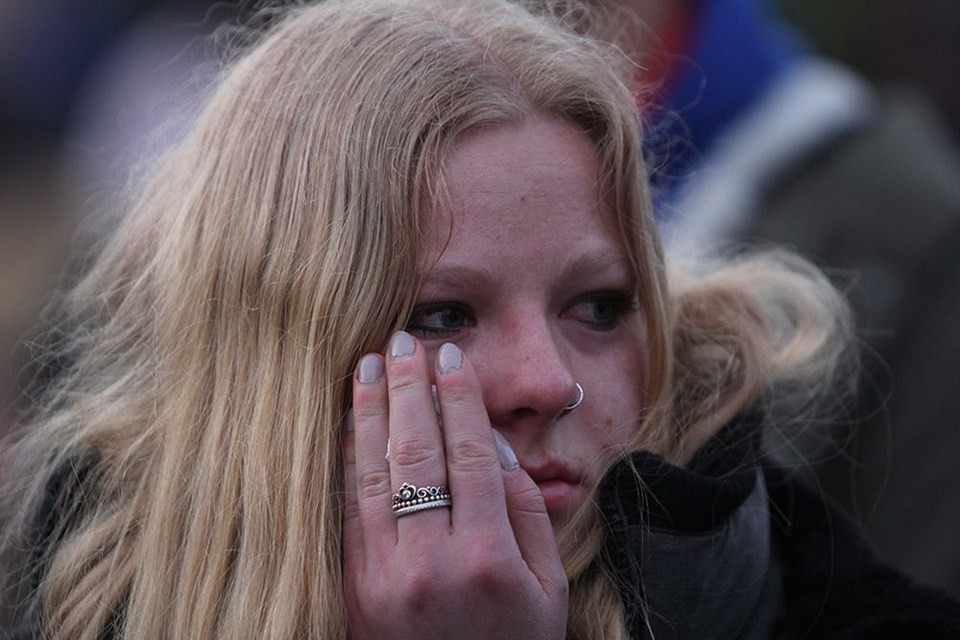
{"points": [[472, 453], [428, 587], [414, 452], [425, 584], [373, 484]]}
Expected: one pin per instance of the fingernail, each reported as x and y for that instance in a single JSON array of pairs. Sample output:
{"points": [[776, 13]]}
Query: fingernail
{"points": [[450, 358], [386, 456], [370, 369], [402, 346], [348, 423], [508, 459]]}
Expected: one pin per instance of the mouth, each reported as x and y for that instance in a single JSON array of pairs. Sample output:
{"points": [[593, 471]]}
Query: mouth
{"points": [[562, 489], [560, 496]]}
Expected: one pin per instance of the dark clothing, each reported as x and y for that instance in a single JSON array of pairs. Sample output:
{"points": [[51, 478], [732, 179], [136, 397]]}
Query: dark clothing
{"points": [[735, 547], [881, 206]]}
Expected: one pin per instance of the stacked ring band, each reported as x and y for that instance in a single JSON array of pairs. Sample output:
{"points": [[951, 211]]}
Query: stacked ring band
{"points": [[410, 498]]}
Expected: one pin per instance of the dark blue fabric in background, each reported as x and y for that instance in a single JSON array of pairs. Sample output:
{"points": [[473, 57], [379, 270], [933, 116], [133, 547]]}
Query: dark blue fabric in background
{"points": [[737, 49]]}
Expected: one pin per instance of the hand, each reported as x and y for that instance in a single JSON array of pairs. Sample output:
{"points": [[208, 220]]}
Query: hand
{"points": [[486, 567]]}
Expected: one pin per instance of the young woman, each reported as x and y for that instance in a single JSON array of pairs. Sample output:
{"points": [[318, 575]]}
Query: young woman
{"points": [[387, 349]]}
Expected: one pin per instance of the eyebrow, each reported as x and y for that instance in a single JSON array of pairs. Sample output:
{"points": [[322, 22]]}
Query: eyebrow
{"points": [[596, 262], [589, 264], [457, 276]]}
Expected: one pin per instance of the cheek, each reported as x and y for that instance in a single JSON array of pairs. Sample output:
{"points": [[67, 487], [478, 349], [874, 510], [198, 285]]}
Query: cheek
{"points": [[614, 432], [621, 404]]}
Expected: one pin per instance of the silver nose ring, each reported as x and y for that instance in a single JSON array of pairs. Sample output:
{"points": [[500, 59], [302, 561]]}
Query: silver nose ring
{"points": [[576, 403]]}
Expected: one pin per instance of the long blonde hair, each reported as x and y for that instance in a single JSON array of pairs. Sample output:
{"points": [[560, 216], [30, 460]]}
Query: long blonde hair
{"points": [[212, 341]]}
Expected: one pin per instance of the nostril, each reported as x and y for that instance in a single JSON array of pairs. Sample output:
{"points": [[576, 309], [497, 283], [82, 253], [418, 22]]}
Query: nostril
{"points": [[524, 412]]}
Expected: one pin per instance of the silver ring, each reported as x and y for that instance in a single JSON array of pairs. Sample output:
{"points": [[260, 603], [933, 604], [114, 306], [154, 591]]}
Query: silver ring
{"points": [[410, 498], [576, 403]]}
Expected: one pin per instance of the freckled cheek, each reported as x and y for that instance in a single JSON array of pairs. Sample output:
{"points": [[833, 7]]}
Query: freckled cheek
{"points": [[618, 416], [618, 431]]}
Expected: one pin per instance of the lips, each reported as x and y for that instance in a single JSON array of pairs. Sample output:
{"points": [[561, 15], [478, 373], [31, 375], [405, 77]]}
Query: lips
{"points": [[562, 489]]}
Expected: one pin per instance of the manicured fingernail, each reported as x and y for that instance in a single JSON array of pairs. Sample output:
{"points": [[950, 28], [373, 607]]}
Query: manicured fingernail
{"points": [[450, 358], [508, 459], [370, 369], [348, 423], [386, 456], [402, 346]]}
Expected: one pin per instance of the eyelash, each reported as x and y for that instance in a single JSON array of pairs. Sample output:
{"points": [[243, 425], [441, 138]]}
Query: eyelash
{"points": [[416, 326], [622, 304]]}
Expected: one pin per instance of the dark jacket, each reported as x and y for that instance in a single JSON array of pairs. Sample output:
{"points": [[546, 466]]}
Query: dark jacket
{"points": [[736, 547]]}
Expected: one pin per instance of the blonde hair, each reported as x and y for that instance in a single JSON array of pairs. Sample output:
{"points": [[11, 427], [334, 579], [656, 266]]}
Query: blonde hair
{"points": [[213, 339]]}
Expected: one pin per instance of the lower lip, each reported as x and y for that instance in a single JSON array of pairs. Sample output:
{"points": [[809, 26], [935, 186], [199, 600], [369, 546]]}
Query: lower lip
{"points": [[559, 495]]}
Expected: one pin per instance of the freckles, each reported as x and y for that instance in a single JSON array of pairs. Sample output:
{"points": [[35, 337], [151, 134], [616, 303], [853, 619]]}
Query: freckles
{"points": [[609, 430], [614, 431]]}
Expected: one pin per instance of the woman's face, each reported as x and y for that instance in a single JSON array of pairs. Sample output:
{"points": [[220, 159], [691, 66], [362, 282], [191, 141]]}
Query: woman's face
{"points": [[528, 275]]}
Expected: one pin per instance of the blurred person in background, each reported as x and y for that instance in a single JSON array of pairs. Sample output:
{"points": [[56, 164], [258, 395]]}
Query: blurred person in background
{"points": [[84, 89], [914, 42], [753, 138]]}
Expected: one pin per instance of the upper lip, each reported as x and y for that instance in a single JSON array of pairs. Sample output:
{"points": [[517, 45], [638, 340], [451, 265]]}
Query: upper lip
{"points": [[552, 470]]}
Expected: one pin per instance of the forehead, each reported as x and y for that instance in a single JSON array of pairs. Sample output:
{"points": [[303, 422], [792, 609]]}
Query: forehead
{"points": [[530, 186]]}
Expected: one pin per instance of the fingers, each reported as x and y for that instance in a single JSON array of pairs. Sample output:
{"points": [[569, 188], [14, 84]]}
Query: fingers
{"points": [[371, 481], [393, 399], [353, 548], [393, 403], [531, 527], [416, 444], [351, 508], [500, 554], [473, 466], [490, 489]]}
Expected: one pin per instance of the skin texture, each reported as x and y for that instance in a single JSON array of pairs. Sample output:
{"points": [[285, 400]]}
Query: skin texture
{"points": [[528, 292]]}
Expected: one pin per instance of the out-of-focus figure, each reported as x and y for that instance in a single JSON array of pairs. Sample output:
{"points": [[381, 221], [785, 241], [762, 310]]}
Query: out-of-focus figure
{"points": [[755, 139], [84, 88]]}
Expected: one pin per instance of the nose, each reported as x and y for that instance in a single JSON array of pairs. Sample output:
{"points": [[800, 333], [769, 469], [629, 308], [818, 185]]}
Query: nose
{"points": [[527, 382]]}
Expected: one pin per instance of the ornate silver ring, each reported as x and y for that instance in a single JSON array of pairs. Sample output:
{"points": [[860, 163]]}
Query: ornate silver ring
{"points": [[410, 498]]}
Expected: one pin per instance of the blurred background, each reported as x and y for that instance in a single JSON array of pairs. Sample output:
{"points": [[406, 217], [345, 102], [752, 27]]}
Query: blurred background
{"points": [[87, 88]]}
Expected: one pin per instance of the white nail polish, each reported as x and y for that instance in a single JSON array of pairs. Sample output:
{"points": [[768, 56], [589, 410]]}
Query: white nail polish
{"points": [[450, 358], [508, 459], [370, 369], [402, 346]]}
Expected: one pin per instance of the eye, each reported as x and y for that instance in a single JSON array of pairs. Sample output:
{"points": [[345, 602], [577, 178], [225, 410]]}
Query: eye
{"points": [[439, 319], [602, 311]]}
